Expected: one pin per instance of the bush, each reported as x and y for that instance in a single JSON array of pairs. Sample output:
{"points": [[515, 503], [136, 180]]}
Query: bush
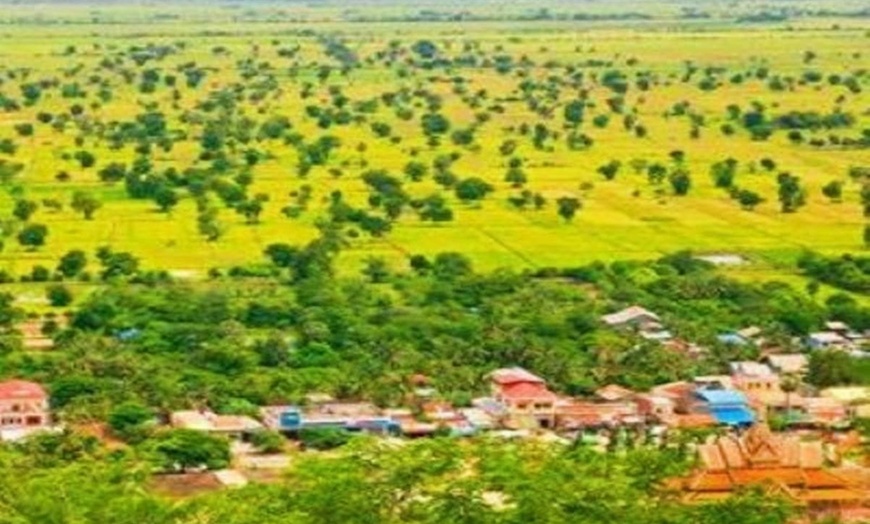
{"points": [[323, 438], [59, 295]]}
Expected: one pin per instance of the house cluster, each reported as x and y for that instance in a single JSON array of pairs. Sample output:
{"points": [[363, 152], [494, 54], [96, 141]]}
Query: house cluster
{"points": [[839, 336], [648, 325], [520, 401]]}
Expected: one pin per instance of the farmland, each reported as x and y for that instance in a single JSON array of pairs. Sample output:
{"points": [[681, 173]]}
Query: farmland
{"points": [[648, 91]]}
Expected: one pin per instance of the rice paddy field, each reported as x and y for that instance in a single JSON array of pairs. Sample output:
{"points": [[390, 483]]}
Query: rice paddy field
{"points": [[270, 62]]}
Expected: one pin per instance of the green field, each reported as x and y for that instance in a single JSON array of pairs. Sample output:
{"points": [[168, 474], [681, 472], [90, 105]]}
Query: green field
{"points": [[625, 218]]}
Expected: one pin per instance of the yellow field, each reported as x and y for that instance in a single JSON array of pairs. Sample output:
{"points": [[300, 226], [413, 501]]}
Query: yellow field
{"points": [[615, 223]]}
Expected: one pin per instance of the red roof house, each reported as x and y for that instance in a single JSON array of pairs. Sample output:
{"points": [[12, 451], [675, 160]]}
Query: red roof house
{"points": [[525, 395], [23, 406]]}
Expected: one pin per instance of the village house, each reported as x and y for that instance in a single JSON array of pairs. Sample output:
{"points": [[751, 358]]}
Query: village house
{"points": [[828, 340], [525, 396], [781, 464], [729, 407], [24, 409], [758, 382], [349, 416], [633, 317], [856, 399], [788, 364], [233, 426]]}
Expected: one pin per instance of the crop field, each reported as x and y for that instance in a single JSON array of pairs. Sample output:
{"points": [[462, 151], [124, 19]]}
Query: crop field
{"points": [[225, 123]]}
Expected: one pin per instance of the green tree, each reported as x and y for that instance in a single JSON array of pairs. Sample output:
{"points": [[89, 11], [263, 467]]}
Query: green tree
{"points": [[680, 181], [59, 295], [72, 263], [831, 368], [86, 204], [269, 442], [182, 449], [833, 190], [131, 421], [33, 236], [24, 209], [568, 207], [472, 189], [791, 194], [166, 199]]}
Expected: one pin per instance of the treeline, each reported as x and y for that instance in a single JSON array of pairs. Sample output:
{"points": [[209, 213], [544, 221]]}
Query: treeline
{"points": [[273, 333], [847, 272], [423, 482]]}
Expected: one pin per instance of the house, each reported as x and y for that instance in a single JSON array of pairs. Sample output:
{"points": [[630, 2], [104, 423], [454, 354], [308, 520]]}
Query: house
{"points": [[633, 317], [655, 407], [525, 396], [788, 364], [828, 340], [781, 464], [573, 415], [728, 407], [360, 416], [23, 409], [758, 381], [613, 393], [233, 426], [480, 419], [855, 398], [840, 328], [824, 412], [732, 339]]}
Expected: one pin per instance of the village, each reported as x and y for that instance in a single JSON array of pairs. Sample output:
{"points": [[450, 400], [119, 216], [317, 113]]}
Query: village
{"points": [[757, 423]]}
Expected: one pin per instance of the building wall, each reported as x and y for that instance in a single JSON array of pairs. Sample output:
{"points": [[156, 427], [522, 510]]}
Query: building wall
{"points": [[23, 413]]}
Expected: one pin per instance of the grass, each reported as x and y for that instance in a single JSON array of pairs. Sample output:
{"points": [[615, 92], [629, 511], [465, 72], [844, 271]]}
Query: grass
{"points": [[621, 219]]}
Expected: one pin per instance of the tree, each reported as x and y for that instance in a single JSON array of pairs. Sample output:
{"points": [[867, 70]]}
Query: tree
{"points": [[789, 384], [376, 269], [833, 190], [831, 368], [86, 159], [166, 198], [680, 181], [425, 48], [434, 124], [324, 438], [24, 209], [33, 235], [749, 199], [116, 264], [472, 189], [610, 169], [791, 194], [131, 421], [416, 171], [113, 172], [181, 449], [574, 111], [268, 442], [568, 207], [59, 295], [282, 255], [86, 204], [72, 263]]}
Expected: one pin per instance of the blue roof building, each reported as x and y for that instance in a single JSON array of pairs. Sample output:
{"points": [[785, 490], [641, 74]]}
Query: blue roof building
{"points": [[728, 407]]}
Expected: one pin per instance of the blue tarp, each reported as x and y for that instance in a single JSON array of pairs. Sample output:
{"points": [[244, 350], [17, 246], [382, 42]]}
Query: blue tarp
{"points": [[733, 416], [721, 397]]}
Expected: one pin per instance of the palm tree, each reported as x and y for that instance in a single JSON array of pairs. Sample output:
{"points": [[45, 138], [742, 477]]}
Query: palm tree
{"points": [[789, 384]]}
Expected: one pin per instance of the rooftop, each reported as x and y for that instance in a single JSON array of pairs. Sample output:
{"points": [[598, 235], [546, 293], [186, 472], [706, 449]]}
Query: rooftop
{"points": [[627, 315], [514, 375], [21, 390]]}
